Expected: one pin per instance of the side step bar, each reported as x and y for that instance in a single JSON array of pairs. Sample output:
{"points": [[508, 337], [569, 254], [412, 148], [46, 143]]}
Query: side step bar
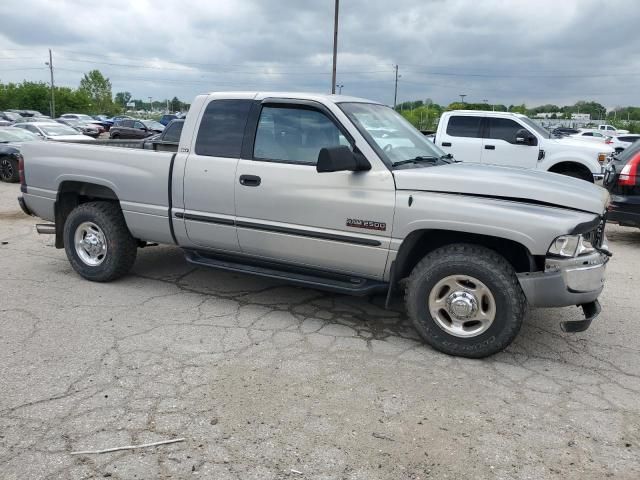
{"points": [[295, 275], [46, 228]]}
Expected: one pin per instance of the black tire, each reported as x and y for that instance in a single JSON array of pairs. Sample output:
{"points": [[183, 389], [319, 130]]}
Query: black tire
{"points": [[9, 170], [115, 136], [489, 268], [121, 247]]}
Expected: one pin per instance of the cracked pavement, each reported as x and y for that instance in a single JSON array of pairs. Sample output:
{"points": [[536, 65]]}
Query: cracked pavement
{"points": [[268, 381]]}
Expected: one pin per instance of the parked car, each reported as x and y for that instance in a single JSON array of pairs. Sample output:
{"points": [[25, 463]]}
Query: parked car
{"points": [[10, 116], [564, 131], [610, 130], [168, 140], [53, 131], [621, 142], [590, 136], [27, 113], [622, 179], [129, 128], [89, 129], [86, 120], [105, 121], [512, 139], [165, 119], [303, 188], [34, 119], [11, 139]]}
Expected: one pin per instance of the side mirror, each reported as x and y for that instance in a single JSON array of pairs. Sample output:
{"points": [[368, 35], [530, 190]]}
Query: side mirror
{"points": [[524, 137], [340, 159]]}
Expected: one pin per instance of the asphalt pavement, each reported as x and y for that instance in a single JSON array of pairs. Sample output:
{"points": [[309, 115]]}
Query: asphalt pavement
{"points": [[268, 381]]}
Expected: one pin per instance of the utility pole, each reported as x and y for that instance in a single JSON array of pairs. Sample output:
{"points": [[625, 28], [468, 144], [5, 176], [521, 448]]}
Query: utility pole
{"points": [[462, 97], [335, 47], [150, 105], [395, 92], [53, 98]]}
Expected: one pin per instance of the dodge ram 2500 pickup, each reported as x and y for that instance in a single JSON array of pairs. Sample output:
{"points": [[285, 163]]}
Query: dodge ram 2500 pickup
{"points": [[335, 193]]}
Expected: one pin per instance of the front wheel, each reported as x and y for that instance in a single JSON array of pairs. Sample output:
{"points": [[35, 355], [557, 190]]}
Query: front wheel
{"points": [[98, 243], [465, 300], [9, 170]]}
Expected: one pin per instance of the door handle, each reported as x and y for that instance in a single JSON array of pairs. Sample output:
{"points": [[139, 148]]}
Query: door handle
{"points": [[489, 147], [446, 144], [250, 180]]}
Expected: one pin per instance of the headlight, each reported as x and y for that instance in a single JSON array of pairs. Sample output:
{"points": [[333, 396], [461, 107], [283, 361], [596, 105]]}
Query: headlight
{"points": [[570, 246]]}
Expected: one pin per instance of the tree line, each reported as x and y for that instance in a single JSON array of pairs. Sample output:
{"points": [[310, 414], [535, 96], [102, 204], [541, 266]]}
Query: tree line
{"points": [[93, 96]]}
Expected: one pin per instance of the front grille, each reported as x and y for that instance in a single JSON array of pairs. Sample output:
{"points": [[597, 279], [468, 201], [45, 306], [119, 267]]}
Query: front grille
{"points": [[596, 237]]}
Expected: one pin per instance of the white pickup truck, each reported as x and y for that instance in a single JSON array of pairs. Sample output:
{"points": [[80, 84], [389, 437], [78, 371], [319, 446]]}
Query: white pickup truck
{"points": [[611, 130], [512, 139]]}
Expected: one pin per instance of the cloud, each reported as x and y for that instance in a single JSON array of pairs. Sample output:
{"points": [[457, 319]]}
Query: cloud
{"points": [[506, 51]]}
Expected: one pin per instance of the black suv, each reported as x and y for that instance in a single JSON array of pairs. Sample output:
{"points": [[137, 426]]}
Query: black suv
{"points": [[130, 128], [622, 179]]}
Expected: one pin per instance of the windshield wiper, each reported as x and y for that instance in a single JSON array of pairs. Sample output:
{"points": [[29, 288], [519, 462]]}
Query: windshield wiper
{"points": [[418, 159]]}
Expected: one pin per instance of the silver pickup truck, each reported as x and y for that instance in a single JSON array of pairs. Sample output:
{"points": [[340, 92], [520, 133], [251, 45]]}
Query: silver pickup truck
{"points": [[335, 193]]}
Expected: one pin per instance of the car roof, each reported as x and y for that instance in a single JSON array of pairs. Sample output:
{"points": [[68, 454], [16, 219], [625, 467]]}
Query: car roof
{"points": [[487, 112]]}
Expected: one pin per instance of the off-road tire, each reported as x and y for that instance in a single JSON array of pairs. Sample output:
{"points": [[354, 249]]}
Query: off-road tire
{"points": [[487, 266], [121, 246], [9, 170]]}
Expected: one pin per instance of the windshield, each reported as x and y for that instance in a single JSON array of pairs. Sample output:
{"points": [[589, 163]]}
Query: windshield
{"points": [[534, 126], [16, 135], [12, 116], [54, 130], [393, 137], [153, 125]]}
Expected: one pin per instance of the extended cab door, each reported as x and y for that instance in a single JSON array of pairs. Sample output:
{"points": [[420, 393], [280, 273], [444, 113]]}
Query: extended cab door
{"points": [[288, 212], [462, 137], [210, 175], [504, 145]]}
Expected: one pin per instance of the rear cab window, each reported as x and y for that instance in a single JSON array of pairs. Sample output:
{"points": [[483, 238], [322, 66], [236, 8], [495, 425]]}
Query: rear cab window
{"points": [[222, 127], [464, 126]]}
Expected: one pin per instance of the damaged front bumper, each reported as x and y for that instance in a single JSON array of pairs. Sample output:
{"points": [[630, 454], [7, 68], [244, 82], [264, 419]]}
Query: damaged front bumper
{"points": [[568, 281]]}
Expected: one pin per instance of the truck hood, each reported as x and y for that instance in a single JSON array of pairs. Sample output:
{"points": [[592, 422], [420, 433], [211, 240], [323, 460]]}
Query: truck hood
{"points": [[515, 184], [585, 145]]}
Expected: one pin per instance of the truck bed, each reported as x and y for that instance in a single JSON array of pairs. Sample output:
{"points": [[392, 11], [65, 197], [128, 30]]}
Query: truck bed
{"points": [[139, 178]]}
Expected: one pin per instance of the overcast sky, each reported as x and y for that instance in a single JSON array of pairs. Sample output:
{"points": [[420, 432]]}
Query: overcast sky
{"points": [[505, 51]]}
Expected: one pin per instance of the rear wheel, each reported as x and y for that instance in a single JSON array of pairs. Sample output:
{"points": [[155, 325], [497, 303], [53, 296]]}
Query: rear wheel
{"points": [[98, 243], [9, 170], [115, 136], [465, 300]]}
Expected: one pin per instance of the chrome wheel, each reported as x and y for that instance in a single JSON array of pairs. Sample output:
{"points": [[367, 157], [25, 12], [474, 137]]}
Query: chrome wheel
{"points": [[462, 306], [90, 243], [6, 169]]}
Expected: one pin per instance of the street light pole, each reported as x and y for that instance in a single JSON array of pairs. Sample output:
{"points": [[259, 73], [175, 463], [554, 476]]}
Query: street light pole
{"points": [[150, 105], [340, 88], [462, 97], [53, 98], [335, 47], [395, 92]]}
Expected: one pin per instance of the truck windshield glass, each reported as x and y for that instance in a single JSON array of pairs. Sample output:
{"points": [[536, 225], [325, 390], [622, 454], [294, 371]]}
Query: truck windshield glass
{"points": [[537, 128], [393, 137]]}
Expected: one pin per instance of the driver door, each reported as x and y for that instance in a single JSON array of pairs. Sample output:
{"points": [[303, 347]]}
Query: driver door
{"points": [[287, 211], [499, 146]]}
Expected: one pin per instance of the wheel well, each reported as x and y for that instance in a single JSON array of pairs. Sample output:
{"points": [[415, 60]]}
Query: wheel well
{"points": [[565, 167], [72, 194], [421, 242]]}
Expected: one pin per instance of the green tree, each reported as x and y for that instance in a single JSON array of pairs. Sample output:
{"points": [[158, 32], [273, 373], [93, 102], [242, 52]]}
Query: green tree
{"points": [[98, 89], [122, 98], [175, 105]]}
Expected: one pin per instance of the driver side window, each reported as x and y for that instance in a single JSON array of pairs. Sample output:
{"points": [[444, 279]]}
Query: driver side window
{"points": [[504, 129], [294, 135]]}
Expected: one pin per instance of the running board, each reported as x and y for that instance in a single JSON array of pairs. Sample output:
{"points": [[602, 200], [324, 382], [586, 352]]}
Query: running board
{"points": [[298, 276]]}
